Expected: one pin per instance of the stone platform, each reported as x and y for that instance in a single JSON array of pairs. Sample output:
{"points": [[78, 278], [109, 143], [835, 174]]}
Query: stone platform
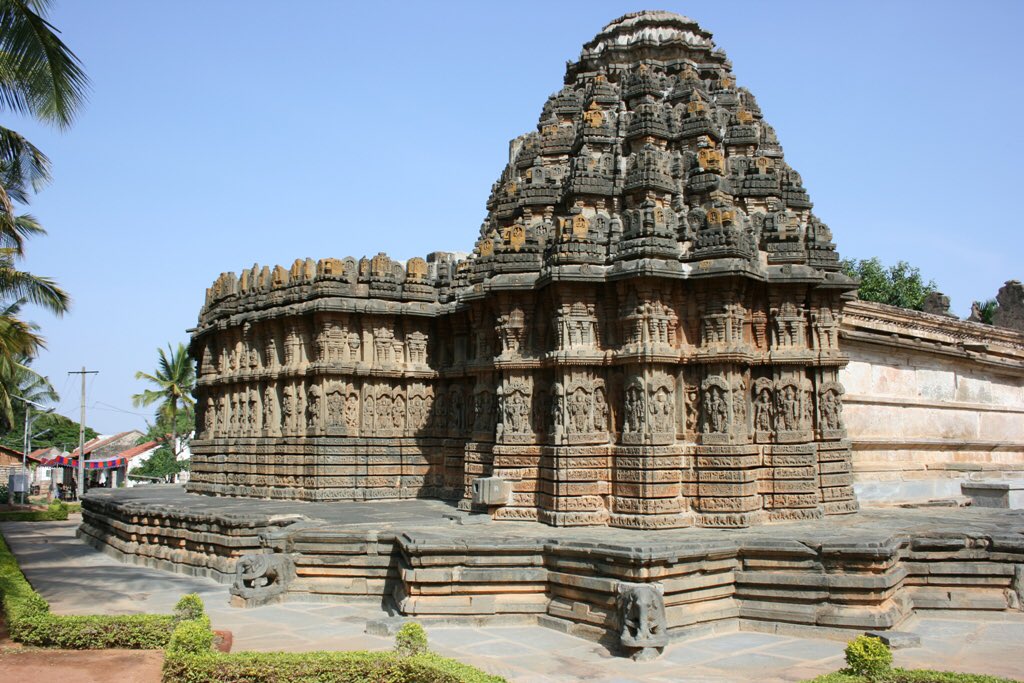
{"points": [[424, 558]]}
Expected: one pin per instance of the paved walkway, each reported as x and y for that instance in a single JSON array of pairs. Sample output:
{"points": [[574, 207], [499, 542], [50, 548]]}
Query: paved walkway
{"points": [[79, 580]]}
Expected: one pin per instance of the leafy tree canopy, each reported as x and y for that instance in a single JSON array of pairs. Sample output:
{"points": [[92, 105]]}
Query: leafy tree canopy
{"points": [[899, 285], [63, 432], [162, 430], [161, 464]]}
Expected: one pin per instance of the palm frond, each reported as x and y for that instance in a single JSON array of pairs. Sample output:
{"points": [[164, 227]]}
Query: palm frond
{"points": [[36, 289], [39, 75], [22, 164]]}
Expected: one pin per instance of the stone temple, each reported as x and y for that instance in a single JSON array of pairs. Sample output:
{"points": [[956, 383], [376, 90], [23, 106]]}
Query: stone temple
{"points": [[649, 335], [645, 334]]}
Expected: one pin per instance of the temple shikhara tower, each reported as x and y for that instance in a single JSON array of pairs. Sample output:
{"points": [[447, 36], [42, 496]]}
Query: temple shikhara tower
{"points": [[645, 334]]}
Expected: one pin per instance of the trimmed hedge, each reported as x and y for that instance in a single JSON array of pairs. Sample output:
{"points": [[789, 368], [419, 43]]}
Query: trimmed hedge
{"points": [[912, 676], [316, 667], [190, 659], [57, 511], [30, 622]]}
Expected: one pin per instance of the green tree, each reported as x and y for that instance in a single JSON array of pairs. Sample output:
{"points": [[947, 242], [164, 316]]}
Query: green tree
{"points": [[53, 429], [39, 78], [162, 464], [174, 379], [899, 285]]}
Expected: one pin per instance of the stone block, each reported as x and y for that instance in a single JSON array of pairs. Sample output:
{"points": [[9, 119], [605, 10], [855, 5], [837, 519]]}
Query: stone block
{"points": [[491, 491], [995, 494]]}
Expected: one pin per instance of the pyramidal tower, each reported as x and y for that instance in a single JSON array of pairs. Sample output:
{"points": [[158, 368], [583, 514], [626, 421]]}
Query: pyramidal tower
{"points": [[645, 334]]}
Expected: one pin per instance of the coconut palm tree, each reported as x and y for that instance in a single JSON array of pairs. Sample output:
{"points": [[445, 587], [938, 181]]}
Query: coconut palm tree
{"points": [[19, 380], [40, 78], [174, 379]]}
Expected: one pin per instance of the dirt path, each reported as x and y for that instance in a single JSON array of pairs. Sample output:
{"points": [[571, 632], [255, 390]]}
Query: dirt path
{"points": [[80, 666], [19, 664]]}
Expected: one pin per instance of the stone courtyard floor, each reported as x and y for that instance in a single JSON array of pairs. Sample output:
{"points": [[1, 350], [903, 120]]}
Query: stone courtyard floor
{"points": [[77, 579]]}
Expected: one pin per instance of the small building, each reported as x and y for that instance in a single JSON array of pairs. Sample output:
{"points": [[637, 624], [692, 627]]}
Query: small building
{"points": [[10, 463], [104, 467]]}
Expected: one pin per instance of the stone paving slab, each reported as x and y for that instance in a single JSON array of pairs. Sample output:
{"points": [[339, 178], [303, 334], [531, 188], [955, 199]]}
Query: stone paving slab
{"points": [[79, 580]]}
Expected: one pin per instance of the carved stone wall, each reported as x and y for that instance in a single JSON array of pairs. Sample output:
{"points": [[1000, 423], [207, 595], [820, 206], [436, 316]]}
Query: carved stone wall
{"points": [[645, 334]]}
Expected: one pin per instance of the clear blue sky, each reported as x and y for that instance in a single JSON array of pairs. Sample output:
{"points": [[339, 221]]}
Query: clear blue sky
{"points": [[219, 134]]}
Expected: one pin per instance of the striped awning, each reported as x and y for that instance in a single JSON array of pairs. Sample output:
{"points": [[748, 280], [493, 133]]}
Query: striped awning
{"points": [[98, 464]]}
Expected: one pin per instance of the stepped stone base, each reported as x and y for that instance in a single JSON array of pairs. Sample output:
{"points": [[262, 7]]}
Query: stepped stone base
{"points": [[865, 571]]}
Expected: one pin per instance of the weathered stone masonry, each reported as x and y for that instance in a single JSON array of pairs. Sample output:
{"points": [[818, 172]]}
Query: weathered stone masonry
{"points": [[645, 334]]}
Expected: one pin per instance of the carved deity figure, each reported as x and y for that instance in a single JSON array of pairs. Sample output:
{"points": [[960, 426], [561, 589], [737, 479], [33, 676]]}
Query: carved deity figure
{"points": [[763, 410], [313, 406], [634, 410], [661, 410], [831, 409], [369, 406], [398, 413], [270, 411], [600, 410], [209, 419], [788, 416], [224, 417], [351, 415], [253, 412], [288, 409], [270, 360], [335, 407], [384, 412], [416, 414], [716, 410], [482, 410], [518, 411], [579, 411], [692, 409], [739, 405]]}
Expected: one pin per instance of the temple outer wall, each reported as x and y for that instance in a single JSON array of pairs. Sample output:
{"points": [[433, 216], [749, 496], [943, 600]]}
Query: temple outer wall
{"points": [[931, 402]]}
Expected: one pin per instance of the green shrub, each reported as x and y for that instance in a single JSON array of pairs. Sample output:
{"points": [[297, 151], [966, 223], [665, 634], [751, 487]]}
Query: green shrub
{"points": [[190, 606], [869, 657], [192, 636], [411, 639], [316, 667], [55, 512]]}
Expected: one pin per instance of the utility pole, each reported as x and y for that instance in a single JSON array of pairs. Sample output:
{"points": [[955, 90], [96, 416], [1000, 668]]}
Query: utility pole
{"points": [[81, 432], [27, 444]]}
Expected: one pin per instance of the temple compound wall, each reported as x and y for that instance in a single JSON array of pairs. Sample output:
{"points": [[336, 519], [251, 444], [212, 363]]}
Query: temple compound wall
{"points": [[930, 402]]}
